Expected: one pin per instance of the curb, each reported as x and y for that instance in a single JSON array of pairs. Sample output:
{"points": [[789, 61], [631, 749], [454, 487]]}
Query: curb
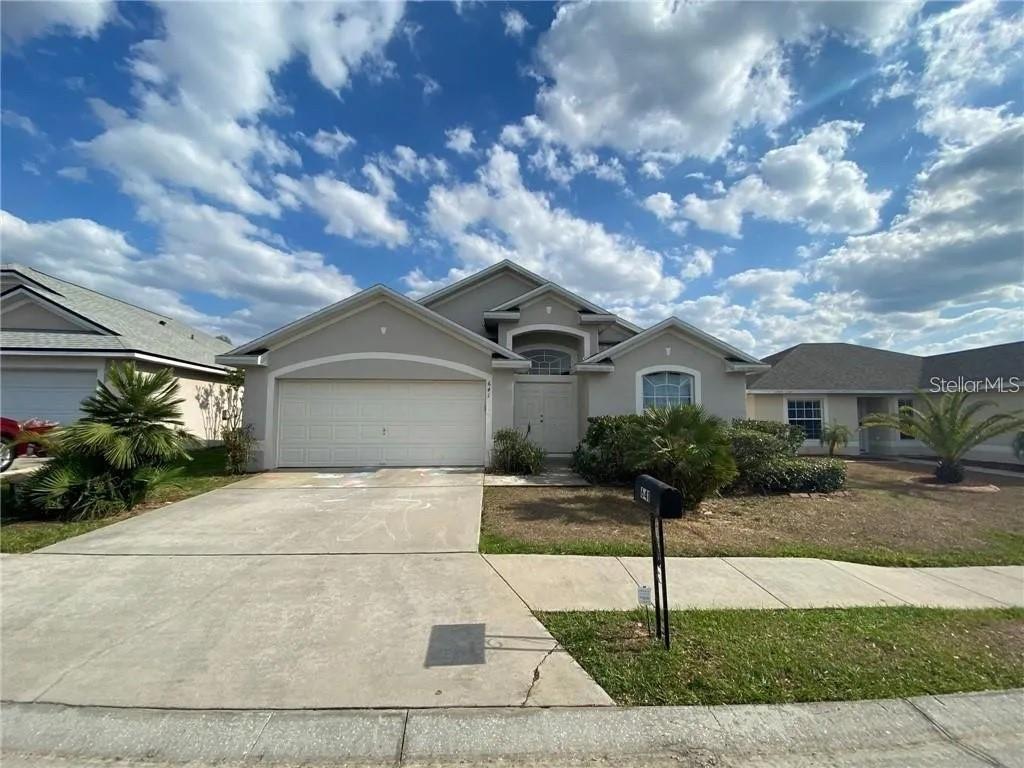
{"points": [[976, 729]]}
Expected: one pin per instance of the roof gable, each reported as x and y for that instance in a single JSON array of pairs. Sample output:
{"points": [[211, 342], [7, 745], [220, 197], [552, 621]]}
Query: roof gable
{"points": [[693, 333], [358, 302], [467, 283], [136, 329], [66, 319], [566, 296]]}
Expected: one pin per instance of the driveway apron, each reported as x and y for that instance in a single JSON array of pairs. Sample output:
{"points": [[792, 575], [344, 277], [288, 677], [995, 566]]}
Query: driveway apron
{"points": [[286, 590]]}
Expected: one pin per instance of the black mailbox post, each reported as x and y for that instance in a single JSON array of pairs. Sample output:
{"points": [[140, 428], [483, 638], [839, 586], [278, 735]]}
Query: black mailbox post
{"points": [[663, 502]]}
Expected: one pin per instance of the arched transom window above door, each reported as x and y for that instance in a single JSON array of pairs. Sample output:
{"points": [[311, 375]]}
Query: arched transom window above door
{"points": [[663, 389], [548, 362]]}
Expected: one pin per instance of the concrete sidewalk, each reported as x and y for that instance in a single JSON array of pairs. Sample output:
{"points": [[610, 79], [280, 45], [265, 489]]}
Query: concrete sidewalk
{"points": [[567, 582], [963, 730]]}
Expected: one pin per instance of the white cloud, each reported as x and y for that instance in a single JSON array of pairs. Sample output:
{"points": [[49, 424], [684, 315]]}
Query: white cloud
{"points": [[350, 212], [707, 69], [74, 173], [194, 127], [405, 163], [651, 170], [809, 182], [969, 45], [515, 23], [430, 85], [21, 122], [274, 283], [699, 263], [661, 205], [897, 82], [459, 140], [961, 235], [548, 159], [329, 143], [82, 18], [498, 217]]}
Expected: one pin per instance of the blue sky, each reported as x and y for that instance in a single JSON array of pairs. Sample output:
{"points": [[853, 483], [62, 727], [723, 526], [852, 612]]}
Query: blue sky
{"points": [[773, 173]]}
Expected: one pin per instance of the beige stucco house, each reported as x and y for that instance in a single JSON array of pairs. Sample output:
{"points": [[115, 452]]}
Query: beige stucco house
{"points": [[815, 384], [57, 339], [380, 379]]}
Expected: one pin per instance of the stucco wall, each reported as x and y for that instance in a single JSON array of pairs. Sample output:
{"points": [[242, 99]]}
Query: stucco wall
{"points": [[360, 334], [721, 393], [204, 397], [467, 307], [561, 314], [31, 316]]}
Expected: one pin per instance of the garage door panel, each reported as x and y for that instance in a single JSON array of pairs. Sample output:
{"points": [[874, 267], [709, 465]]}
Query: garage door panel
{"points": [[54, 394], [372, 423]]}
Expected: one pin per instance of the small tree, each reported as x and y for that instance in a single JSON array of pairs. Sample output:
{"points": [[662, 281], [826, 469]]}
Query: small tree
{"points": [[835, 435], [237, 436], [687, 447], [123, 446], [948, 426]]}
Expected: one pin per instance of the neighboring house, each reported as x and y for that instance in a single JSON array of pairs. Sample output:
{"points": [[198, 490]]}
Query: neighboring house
{"points": [[379, 379], [816, 384], [57, 339]]}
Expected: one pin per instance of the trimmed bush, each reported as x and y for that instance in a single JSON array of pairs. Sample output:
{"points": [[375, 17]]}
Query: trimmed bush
{"points": [[790, 438], [601, 456], [515, 454], [796, 474]]}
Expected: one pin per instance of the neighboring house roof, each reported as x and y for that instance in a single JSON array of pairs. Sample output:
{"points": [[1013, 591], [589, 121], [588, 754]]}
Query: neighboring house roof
{"points": [[339, 309], [727, 351], [123, 327], [479, 277], [840, 367]]}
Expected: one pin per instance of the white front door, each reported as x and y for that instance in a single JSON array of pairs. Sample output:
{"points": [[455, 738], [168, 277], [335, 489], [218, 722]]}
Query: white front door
{"points": [[356, 423], [548, 410]]}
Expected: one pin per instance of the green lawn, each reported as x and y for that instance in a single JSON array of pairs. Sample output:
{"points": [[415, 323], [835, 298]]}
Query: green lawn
{"points": [[23, 531], [759, 657]]}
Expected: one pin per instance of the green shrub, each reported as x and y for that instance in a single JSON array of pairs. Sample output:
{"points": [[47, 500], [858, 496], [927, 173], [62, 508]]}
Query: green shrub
{"points": [[790, 437], [238, 448], [515, 454], [109, 460], [686, 447], [796, 474], [601, 456]]}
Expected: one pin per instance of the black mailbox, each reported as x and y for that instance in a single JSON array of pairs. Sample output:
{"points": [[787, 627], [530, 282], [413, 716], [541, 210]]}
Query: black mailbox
{"points": [[660, 498]]}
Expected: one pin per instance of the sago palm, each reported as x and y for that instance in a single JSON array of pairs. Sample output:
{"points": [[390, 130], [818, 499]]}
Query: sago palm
{"points": [[133, 420], [120, 450], [687, 447], [948, 425]]}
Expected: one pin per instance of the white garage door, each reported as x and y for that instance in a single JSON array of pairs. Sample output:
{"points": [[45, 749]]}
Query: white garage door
{"points": [[349, 423], [53, 394]]}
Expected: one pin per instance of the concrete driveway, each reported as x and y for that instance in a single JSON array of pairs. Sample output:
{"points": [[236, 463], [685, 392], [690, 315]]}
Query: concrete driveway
{"points": [[308, 512], [286, 590]]}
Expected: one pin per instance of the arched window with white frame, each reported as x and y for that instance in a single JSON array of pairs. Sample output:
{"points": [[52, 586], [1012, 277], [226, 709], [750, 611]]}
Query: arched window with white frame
{"points": [[667, 386], [548, 362]]}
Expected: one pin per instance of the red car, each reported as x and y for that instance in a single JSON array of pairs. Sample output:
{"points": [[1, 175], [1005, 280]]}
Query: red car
{"points": [[10, 430]]}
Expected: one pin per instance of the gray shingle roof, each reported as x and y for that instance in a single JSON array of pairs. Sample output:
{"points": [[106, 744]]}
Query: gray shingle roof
{"points": [[136, 329], [853, 368]]}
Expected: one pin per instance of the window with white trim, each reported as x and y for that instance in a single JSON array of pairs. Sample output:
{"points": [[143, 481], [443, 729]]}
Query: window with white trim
{"points": [[805, 414], [663, 389], [548, 362], [904, 402]]}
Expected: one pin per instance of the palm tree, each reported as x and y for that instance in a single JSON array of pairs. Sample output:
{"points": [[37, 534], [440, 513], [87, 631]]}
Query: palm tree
{"points": [[835, 435], [948, 426], [107, 461], [684, 446]]}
